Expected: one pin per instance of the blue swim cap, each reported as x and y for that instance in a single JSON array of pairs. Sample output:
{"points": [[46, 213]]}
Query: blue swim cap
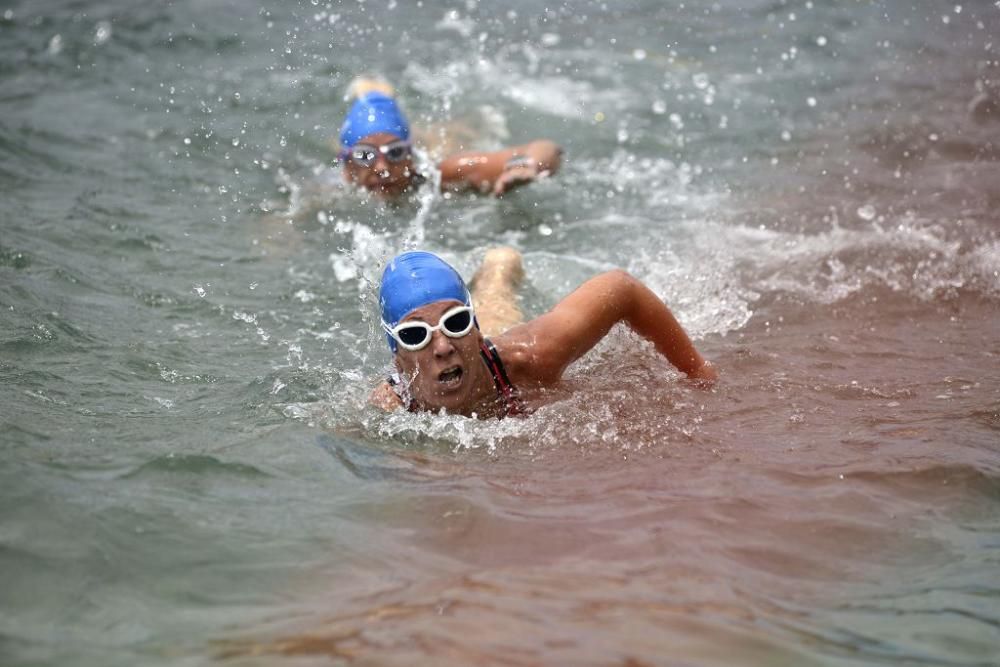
{"points": [[372, 113], [415, 279]]}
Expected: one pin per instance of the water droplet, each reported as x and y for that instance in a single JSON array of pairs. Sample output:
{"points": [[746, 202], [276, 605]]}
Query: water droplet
{"points": [[811, 101], [866, 212], [199, 290], [103, 32], [544, 230], [639, 54], [700, 80], [786, 135], [821, 40], [55, 45]]}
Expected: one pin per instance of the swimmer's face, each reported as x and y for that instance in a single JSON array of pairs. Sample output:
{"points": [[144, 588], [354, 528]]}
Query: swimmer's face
{"points": [[384, 176], [448, 373]]}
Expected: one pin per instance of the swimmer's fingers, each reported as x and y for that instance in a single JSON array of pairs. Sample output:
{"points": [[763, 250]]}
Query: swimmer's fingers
{"points": [[513, 178], [385, 398], [705, 377]]}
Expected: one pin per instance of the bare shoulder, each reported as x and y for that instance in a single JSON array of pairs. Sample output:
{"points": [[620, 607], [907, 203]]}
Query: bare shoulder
{"points": [[523, 349], [384, 397]]}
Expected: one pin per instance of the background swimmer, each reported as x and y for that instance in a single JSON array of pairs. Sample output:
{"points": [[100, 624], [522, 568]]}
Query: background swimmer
{"points": [[444, 360], [376, 152]]}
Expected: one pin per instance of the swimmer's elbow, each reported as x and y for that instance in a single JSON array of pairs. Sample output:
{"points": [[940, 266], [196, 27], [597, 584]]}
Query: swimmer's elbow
{"points": [[623, 293], [621, 282]]}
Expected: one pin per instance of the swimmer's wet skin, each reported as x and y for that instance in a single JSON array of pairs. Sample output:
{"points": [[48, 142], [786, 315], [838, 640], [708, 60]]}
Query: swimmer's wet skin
{"points": [[443, 360], [376, 153]]}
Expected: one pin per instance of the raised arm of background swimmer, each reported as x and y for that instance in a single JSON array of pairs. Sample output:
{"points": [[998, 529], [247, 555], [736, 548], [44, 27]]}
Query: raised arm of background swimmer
{"points": [[500, 171], [545, 346]]}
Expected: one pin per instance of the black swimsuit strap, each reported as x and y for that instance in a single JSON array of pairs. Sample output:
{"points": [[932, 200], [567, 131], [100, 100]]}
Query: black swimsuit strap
{"points": [[505, 388]]}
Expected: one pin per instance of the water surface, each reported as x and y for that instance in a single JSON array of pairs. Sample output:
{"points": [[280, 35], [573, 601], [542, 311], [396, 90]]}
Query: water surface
{"points": [[190, 473]]}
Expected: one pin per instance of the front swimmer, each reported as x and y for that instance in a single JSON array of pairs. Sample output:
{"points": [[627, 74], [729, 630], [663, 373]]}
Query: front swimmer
{"points": [[443, 360]]}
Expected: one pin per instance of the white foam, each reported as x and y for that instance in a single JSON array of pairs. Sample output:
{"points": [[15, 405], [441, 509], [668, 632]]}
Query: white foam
{"points": [[912, 256]]}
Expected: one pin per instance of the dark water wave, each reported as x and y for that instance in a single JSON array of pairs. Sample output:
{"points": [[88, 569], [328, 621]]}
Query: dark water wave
{"points": [[25, 155], [187, 465]]}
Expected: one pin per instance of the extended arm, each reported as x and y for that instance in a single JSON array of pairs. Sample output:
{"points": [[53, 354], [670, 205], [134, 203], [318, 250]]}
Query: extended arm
{"points": [[500, 171], [550, 343]]}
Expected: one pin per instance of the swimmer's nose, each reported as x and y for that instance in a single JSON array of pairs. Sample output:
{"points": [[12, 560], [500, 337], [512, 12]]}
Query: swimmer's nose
{"points": [[441, 344], [381, 165]]}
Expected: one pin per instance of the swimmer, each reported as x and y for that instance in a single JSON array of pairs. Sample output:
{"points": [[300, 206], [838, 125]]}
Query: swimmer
{"points": [[376, 152], [470, 353]]}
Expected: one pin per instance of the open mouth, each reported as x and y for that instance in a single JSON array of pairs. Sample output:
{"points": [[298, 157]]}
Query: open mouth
{"points": [[451, 377], [385, 185]]}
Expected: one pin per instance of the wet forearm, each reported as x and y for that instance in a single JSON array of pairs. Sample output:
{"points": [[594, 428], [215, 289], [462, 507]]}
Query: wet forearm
{"points": [[577, 323], [649, 317], [544, 154], [482, 170]]}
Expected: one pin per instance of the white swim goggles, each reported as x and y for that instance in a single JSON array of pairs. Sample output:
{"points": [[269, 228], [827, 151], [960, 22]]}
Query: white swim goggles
{"points": [[366, 154], [414, 335]]}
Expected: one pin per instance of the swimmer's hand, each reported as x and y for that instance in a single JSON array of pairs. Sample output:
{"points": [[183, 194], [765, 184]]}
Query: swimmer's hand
{"points": [[516, 175], [385, 398], [705, 376]]}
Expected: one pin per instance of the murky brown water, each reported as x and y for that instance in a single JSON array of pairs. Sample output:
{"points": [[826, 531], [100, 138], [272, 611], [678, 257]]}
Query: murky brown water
{"points": [[803, 513]]}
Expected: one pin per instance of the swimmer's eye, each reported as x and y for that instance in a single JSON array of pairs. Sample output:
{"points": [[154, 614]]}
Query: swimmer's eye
{"points": [[459, 323], [365, 155], [396, 153], [415, 335]]}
